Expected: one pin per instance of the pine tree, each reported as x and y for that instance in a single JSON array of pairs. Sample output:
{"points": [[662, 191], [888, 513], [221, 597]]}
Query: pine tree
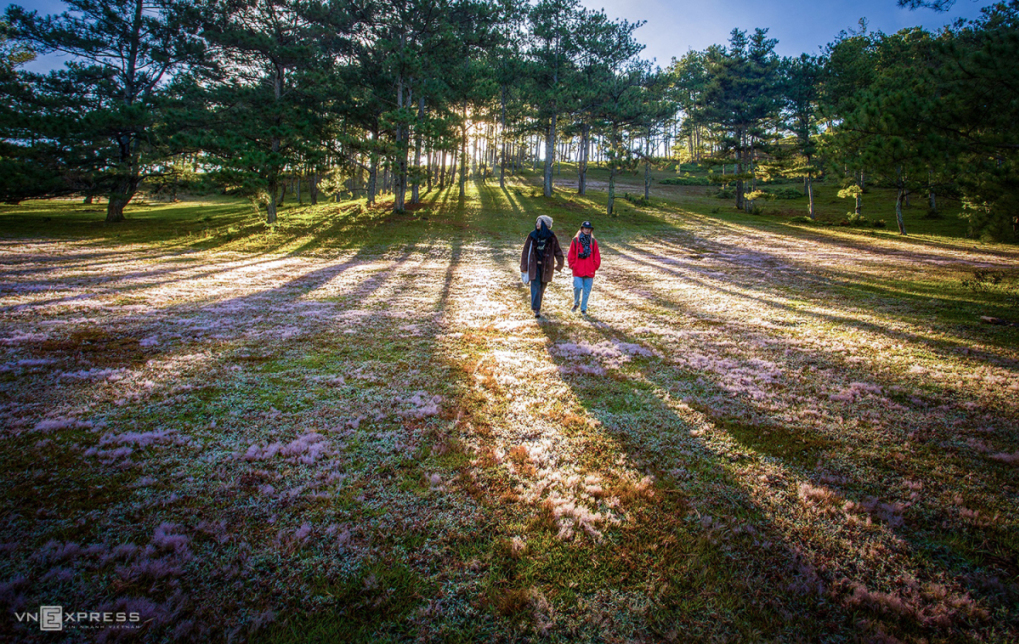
{"points": [[801, 90], [263, 111], [124, 52], [742, 94]]}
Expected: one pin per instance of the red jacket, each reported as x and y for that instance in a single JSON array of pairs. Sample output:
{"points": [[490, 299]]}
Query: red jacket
{"points": [[587, 266]]}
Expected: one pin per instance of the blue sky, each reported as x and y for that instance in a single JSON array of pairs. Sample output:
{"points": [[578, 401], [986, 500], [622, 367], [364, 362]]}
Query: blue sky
{"points": [[676, 26]]}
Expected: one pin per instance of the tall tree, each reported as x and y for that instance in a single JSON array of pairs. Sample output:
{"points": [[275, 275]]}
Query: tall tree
{"points": [[802, 77], [742, 95], [606, 48], [555, 48], [264, 112], [624, 105], [123, 52]]}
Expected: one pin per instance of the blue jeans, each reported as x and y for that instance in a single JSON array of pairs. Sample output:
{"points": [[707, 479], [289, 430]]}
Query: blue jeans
{"points": [[582, 285], [537, 291]]}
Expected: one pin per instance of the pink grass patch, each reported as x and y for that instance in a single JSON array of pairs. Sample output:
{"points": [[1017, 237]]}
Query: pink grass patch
{"points": [[1010, 459], [421, 405], [164, 537], [307, 449], [20, 337], [856, 390], [49, 425], [256, 453]]}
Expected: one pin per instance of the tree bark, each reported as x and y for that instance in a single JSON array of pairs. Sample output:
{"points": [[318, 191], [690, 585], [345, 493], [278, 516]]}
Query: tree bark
{"points": [[810, 193], [550, 136], [119, 198], [274, 180], [270, 208], [373, 177], [612, 176], [400, 172], [463, 155], [898, 206], [415, 196], [502, 136], [739, 171], [585, 146], [612, 189], [647, 166]]}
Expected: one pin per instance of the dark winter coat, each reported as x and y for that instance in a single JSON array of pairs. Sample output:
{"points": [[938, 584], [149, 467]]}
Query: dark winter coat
{"points": [[553, 255]]}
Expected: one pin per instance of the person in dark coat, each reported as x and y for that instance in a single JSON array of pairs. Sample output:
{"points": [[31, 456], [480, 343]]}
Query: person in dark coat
{"points": [[541, 258], [584, 259]]}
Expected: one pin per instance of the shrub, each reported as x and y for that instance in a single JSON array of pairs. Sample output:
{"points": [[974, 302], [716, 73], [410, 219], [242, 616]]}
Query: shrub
{"points": [[854, 219], [637, 201], [802, 219], [880, 223], [685, 180], [786, 193]]}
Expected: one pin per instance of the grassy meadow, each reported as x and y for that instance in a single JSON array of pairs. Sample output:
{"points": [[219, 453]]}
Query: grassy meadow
{"points": [[350, 427]]}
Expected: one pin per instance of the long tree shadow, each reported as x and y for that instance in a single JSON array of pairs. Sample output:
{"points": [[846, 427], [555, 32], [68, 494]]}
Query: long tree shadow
{"points": [[722, 478], [715, 564], [370, 479], [740, 286]]}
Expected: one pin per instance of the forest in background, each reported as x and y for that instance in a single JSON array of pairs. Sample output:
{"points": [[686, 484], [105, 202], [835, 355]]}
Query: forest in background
{"points": [[351, 99]]}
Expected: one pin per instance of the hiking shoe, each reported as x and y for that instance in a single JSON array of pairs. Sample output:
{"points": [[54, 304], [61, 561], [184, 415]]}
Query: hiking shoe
{"points": [[575, 307], [537, 315]]}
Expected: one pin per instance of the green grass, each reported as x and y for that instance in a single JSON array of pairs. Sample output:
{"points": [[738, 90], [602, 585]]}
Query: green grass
{"points": [[743, 491]]}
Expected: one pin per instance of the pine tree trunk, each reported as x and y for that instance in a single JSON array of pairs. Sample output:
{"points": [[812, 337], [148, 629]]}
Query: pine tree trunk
{"points": [[739, 171], [400, 171], [270, 208], [428, 175], [117, 201], [463, 156], [612, 175], [612, 189], [898, 205], [585, 145], [502, 136], [474, 158], [810, 193], [859, 196], [550, 142], [415, 196], [647, 167], [313, 187], [373, 177], [274, 181]]}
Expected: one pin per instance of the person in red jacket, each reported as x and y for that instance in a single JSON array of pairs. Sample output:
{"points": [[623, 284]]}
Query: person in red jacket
{"points": [[584, 259]]}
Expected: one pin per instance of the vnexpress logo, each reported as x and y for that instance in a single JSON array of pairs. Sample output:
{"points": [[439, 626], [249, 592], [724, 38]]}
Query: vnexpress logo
{"points": [[51, 618]]}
